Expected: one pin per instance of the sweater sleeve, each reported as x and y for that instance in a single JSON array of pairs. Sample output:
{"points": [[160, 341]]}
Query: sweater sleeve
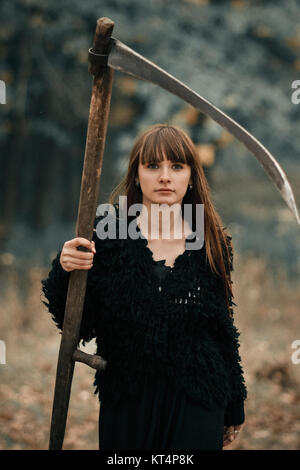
{"points": [[55, 289], [234, 412]]}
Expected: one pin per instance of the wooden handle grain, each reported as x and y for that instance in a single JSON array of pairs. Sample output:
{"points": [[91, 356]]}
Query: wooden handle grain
{"points": [[102, 36], [92, 167]]}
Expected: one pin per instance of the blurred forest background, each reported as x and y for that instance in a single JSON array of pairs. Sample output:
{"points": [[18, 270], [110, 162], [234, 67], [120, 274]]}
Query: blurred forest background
{"points": [[242, 56]]}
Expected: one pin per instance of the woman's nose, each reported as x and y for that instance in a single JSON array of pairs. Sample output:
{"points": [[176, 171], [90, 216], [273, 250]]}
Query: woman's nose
{"points": [[164, 176]]}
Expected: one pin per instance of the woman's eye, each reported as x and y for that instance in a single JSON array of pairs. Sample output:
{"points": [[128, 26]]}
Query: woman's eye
{"points": [[177, 166], [150, 165]]}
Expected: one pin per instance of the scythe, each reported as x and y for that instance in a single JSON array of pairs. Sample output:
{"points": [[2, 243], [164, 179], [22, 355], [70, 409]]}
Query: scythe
{"points": [[107, 54]]}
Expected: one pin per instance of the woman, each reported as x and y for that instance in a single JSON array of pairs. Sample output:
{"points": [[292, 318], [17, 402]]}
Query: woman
{"points": [[161, 313]]}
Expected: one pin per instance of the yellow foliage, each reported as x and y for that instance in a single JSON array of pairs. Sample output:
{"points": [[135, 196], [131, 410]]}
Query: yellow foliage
{"points": [[237, 3], [206, 153], [225, 139], [293, 42], [296, 65], [127, 85], [263, 31], [121, 115]]}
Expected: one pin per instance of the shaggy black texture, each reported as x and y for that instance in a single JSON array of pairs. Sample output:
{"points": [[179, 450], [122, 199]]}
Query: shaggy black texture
{"points": [[175, 326]]}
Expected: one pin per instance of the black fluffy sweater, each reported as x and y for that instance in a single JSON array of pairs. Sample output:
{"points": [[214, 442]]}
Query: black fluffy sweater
{"points": [[176, 325]]}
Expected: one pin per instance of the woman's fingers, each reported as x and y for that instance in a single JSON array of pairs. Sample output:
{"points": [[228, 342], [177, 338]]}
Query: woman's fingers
{"points": [[230, 433], [80, 241], [71, 258], [69, 264], [74, 253], [73, 266], [78, 262]]}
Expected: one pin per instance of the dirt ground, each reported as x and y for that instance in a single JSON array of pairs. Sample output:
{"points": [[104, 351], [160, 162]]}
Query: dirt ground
{"points": [[267, 315]]}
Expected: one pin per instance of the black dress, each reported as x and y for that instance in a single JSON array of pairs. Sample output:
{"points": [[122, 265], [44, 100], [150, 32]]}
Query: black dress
{"points": [[163, 418]]}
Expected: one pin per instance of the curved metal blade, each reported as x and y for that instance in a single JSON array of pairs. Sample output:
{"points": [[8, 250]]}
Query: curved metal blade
{"points": [[126, 60]]}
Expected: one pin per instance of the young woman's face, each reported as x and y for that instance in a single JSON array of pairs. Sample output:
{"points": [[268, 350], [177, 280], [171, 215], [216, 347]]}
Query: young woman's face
{"points": [[153, 177]]}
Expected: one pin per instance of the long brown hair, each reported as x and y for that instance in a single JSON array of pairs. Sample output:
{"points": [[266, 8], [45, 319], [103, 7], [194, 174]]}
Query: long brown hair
{"points": [[151, 146]]}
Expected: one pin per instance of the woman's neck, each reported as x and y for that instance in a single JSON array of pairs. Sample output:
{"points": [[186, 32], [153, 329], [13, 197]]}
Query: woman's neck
{"points": [[162, 222]]}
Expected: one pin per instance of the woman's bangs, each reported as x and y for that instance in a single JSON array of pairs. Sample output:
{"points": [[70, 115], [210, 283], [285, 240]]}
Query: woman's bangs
{"points": [[158, 147]]}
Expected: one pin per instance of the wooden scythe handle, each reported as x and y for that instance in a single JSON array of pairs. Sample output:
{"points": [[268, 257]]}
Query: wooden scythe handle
{"points": [[92, 360], [92, 167]]}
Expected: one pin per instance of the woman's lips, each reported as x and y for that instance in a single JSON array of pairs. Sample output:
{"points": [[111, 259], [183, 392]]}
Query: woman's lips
{"points": [[166, 190]]}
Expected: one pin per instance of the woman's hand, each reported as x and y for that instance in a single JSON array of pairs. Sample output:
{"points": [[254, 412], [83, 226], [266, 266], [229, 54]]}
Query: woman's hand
{"points": [[230, 434], [71, 258]]}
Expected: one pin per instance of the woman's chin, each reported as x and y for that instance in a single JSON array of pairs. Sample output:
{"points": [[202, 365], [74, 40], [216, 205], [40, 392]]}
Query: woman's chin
{"points": [[168, 196], [164, 200]]}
